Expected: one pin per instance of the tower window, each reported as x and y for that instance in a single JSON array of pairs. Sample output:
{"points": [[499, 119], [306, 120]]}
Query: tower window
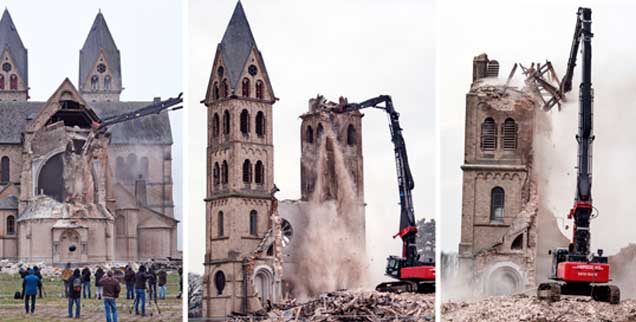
{"points": [[216, 173], [215, 125], [219, 282], [107, 81], [1, 82], [6, 67], [94, 85], [226, 88], [246, 87], [4, 164], [226, 122], [259, 173], [309, 134], [351, 135], [259, 90], [215, 91], [221, 232], [245, 122], [497, 200], [247, 171], [253, 222], [13, 79], [488, 135], [509, 134], [224, 173], [260, 123], [319, 131], [10, 225]]}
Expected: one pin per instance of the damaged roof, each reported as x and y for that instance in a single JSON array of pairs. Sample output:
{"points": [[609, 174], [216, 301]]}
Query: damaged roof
{"points": [[10, 40], [153, 129]]}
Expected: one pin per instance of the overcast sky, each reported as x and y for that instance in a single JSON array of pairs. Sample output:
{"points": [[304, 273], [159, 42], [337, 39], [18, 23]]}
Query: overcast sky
{"points": [[528, 32], [147, 33], [358, 49]]}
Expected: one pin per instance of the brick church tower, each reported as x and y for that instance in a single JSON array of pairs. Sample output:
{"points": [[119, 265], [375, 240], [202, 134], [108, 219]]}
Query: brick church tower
{"points": [[240, 174]]}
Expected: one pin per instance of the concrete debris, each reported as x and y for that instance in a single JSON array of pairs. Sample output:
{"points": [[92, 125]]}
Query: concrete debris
{"points": [[530, 309], [12, 268], [358, 305]]}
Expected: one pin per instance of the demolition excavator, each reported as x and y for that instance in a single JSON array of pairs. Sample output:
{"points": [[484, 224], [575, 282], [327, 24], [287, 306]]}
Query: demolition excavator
{"points": [[411, 274], [576, 270]]}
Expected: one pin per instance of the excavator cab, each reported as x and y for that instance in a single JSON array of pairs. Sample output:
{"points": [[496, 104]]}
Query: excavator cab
{"points": [[559, 255]]}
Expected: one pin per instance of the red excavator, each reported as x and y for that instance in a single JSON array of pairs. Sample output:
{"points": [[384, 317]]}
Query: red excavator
{"points": [[411, 274], [575, 270]]}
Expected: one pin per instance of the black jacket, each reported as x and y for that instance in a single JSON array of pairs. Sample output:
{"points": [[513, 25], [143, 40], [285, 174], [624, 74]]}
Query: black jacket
{"points": [[72, 292], [129, 276], [86, 275], [162, 277], [140, 280], [98, 276]]}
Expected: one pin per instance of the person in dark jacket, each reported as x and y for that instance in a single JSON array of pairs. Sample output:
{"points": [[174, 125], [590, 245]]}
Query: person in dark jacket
{"points": [[162, 280], [111, 293], [140, 290], [98, 288], [74, 293], [86, 282], [152, 283], [31, 283], [129, 278], [36, 272]]}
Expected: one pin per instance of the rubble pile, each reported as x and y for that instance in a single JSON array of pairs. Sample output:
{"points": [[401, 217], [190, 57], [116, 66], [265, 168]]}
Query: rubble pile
{"points": [[530, 309], [359, 305]]}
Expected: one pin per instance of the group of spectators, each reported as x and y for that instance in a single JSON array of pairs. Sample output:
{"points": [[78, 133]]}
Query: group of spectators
{"points": [[77, 285]]}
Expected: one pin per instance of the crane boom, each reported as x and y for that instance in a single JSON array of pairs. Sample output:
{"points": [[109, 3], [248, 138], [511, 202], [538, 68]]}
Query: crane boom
{"points": [[154, 108]]}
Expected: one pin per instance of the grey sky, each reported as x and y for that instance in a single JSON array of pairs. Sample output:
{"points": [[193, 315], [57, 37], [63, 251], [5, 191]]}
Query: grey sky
{"points": [[358, 49], [148, 34], [532, 32]]}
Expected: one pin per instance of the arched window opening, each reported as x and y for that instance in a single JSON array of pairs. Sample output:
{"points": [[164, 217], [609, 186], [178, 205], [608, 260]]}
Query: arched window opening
{"points": [[13, 80], [145, 165], [131, 162], [247, 172], [94, 83], [245, 122], [215, 125], [226, 122], [309, 134], [351, 135], [497, 199], [1, 81], [224, 173], [253, 222], [259, 90], [216, 174], [246, 87], [220, 223], [226, 88], [215, 91], [488, 135], [509, 134], [107, 81], [10, 225], [219, 282], [260, 123], [259, 173], [319, 132], [517, 244], [4, 164], [120, 169]]}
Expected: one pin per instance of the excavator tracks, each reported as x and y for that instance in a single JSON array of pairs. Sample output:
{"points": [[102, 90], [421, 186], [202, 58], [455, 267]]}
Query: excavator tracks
{"points": [[552, 292]]}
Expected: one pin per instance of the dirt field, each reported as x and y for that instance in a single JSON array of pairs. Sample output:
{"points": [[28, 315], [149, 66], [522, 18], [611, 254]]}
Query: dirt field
{"points": [[54, 308]]}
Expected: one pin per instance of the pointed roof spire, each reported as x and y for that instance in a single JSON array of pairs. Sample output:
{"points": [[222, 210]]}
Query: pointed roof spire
{"points": [[10, 39], [236, 44], [99, 38]]}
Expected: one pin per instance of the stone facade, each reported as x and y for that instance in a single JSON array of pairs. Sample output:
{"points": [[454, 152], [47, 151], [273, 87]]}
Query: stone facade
{"points": [[66, 192]]}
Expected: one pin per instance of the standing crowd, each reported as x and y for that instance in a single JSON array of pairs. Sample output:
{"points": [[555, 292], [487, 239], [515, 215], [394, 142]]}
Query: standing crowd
{"points": [[77, 285]]}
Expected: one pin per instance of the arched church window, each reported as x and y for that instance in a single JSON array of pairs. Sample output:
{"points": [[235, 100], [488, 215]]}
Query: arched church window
{"points": [[509, 134], [247, 171], [145, 165], [259, 89], [226, 88], [224, 173], [131, 167], [13, 79], [260, 123], [4, 164], [246, 87], [245, 122], [10, 225], [107, 81], [351, 135], [1, 82], [220, 224], [488, 135], [215, 125], [497, 200], [226, 122], [120, 168], [215, 91], [219, 282], [216, 174], [319, 131], [253, 223], [94, 83], [309, 134], [259, 173]]}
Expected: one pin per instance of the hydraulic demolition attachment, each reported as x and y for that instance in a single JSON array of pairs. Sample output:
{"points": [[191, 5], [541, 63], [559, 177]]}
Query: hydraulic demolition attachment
{"points": [[412, 275], [577, 271]]}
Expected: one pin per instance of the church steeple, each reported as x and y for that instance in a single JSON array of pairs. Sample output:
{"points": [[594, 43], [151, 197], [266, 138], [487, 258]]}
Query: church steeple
{"points": [[14, 83], [100, 64]]}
